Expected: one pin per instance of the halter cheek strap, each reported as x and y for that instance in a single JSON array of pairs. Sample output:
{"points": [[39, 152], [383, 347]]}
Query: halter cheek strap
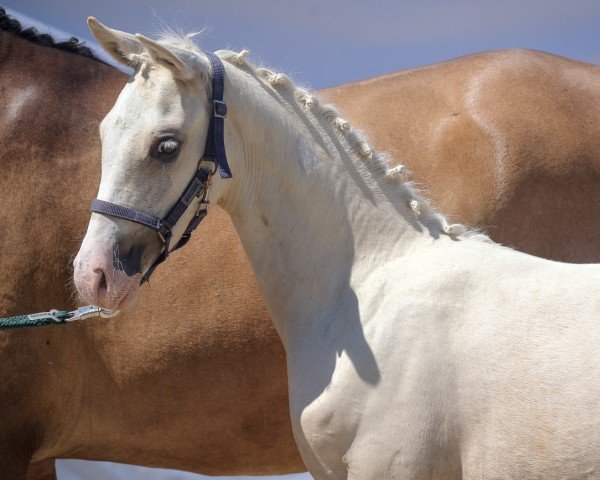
{"points": [[198, 187]]}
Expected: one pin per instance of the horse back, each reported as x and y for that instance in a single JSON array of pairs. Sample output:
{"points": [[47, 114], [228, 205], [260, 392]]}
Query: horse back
{"points": [[508, 141]]}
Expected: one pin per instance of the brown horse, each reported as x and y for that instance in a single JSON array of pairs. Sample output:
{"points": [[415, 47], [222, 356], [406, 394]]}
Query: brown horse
{"points": [[207, 392]]}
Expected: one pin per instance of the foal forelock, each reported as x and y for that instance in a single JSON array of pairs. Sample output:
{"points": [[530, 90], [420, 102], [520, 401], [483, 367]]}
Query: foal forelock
{"points": [[376, 162]]}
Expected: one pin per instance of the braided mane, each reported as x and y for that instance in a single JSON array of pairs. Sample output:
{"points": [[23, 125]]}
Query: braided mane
{"points": [[310, 104], [31, 34]]}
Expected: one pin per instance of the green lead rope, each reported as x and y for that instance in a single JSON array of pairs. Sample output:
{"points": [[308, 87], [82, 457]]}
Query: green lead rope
{"points": [[54, 317]]}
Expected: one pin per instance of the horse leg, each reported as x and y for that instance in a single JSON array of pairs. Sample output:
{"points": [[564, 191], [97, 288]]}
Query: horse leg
{"points": [[42, 470]]}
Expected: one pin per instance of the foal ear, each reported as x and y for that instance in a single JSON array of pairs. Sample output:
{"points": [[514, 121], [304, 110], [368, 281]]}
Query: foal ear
{"points": [[119, 45], [166, 58]]}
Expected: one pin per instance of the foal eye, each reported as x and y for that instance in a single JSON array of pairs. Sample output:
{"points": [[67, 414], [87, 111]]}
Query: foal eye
{"points": [[167, 148]]}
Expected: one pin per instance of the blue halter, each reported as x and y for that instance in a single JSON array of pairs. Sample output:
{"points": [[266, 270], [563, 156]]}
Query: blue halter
{"points": [[214, 152]]}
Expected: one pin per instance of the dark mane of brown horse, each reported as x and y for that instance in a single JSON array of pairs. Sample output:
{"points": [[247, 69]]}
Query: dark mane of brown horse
{"points": [[31, 34]]}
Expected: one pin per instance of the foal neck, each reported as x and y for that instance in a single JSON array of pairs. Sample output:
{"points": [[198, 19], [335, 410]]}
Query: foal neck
{"points": [[314, 212]]}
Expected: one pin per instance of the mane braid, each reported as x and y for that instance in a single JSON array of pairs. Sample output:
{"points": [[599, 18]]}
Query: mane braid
{"points": [[307, 100], [31, 34]]}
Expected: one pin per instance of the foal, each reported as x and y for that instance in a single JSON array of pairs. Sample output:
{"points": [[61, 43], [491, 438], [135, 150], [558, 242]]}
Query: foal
{"points": [[415, 348]]}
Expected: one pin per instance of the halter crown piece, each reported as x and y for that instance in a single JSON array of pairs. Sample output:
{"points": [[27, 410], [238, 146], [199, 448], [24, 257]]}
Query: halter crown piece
{"points": [[214, 152]]}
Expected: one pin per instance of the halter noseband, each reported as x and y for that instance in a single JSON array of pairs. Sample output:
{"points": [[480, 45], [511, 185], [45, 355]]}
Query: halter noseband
{"points": [[214, 152]]}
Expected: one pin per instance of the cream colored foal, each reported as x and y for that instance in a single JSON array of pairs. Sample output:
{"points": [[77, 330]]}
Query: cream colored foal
{"points": [[415, 349]]}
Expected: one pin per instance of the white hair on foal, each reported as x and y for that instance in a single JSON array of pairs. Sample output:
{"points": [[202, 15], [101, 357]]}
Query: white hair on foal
{"points": [[355, 139]]}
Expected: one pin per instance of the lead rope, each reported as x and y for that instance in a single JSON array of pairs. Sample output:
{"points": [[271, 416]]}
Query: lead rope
{"points": [[55, 317]]}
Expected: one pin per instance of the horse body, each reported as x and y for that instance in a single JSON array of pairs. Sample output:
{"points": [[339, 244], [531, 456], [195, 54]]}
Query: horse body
{"points": [[415, 348]]}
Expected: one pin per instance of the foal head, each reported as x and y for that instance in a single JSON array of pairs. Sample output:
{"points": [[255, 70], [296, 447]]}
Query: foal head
{"points": [[152, 141]]}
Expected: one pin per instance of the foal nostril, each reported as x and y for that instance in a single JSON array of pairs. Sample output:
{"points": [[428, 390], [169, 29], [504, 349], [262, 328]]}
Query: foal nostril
{"points": [[130, 260], [99, 285]]}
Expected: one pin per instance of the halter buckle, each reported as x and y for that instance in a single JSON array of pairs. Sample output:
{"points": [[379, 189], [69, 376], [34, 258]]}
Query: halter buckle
{"points": [[219, 109], [164, 232], [202, 207]]}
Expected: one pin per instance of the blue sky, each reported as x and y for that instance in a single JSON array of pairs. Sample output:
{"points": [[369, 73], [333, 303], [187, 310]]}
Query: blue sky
{"points": [[324, 43]]}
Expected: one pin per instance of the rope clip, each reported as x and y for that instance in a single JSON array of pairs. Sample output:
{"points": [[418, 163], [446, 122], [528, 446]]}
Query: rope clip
{"points": [[90, 311]]}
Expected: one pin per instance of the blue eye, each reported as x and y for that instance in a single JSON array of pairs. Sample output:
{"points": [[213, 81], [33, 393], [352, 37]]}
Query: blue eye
{"points": [[167, 147]]}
